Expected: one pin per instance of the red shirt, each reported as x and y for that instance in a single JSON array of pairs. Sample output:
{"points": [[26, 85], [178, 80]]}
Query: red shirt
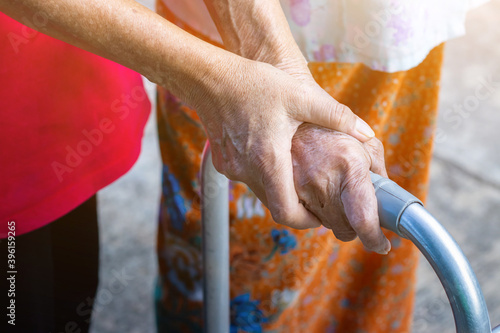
{"points": [[70, 123]]}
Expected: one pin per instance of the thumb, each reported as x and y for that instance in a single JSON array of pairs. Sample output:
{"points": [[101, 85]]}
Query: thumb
{"points": [[325, 111]]}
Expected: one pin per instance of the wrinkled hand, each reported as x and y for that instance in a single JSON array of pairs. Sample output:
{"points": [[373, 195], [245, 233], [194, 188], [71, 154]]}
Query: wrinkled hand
{"points": [[331, 171], [250, 117], [332, 179]]}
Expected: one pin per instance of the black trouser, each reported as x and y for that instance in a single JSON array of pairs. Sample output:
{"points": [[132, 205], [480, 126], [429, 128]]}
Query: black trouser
{"points": [[57, 274]]}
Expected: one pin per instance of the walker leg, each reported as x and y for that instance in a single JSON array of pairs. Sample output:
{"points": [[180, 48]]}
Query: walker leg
{"points": [[215, 225]]}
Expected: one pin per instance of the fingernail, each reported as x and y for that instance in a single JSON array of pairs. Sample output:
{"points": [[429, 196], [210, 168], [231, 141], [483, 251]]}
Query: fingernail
{"points": [[364, 129], [387, 248]]}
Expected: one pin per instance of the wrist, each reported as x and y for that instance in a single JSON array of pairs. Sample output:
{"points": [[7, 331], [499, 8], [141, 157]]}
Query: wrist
{"points": [[256, 30], [283, 55], [201, 81]]}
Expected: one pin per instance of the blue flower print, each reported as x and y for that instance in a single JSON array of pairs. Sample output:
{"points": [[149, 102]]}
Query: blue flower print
{"points": [[245, 315], [283, 241], [173, 200]]}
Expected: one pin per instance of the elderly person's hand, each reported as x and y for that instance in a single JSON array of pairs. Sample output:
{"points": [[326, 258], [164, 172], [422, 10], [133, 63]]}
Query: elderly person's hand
{"points": [[331, 172]]}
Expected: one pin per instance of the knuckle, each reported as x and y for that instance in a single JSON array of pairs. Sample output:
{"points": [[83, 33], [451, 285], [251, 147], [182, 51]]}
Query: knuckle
{"points": [[234, 170], [280, 215], [362, 226], [231, 168], [341, 116], [367, 229], [349, 149], [345, 236], [226, 170], [219, 165], [231, 176], [351, 153], [337, 117], [345, 155], [372, 244], [357, 162], [378, 148], [355, 175]]}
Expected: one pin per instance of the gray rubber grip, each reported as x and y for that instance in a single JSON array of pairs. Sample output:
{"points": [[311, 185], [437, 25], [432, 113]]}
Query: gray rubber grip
{"points": [[392, 201]]}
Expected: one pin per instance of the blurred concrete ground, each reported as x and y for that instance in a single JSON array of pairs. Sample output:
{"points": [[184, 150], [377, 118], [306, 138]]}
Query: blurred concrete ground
{"points": [[464, 196]]}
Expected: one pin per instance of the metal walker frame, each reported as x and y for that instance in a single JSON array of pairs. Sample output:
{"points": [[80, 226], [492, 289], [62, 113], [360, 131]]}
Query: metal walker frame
{"points": [[399, 211]]}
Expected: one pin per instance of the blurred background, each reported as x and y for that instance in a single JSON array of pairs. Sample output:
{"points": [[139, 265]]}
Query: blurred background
{"points": [[464, 195]]}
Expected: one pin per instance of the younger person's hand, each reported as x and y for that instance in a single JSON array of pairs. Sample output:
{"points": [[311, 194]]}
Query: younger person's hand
{"points": [[251, 113]]}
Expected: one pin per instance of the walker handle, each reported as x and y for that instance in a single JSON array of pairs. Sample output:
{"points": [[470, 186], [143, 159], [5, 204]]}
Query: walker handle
{"points": [[399, 211], [404, 214]]}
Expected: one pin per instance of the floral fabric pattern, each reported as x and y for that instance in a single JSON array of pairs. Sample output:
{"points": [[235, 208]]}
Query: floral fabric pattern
{"points": [[295, 281], [246, 315], [283, 241]]}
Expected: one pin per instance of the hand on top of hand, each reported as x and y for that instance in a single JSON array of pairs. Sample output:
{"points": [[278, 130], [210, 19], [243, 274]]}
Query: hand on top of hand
{"points": [[251, 117], [332, 179], [257, 107]]}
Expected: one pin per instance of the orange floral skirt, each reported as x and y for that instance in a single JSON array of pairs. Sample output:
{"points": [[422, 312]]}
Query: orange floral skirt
{"points": [[285, 280]]}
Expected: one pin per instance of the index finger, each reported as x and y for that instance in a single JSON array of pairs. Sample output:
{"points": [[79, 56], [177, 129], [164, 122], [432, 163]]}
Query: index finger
{"points": [[360, 205], [282, 198]]}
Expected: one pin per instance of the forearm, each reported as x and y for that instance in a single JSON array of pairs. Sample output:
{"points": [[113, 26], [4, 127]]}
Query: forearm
{"points": [[256, 29], [130, 34]]}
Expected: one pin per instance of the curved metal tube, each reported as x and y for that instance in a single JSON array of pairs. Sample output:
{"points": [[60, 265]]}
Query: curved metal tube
{"points": [[451, 266], [399, 211]]}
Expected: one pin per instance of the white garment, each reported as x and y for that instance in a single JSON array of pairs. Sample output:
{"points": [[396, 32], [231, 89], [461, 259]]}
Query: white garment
{"points": [[385, 35]]}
